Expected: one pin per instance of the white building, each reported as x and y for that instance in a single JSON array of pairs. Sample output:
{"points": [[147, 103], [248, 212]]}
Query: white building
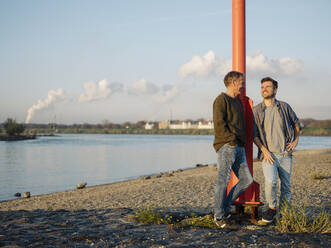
{"points": [[183, 125], [205, 125], [149, 126]]}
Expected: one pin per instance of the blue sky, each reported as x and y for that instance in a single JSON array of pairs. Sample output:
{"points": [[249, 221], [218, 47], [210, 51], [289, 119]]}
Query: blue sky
{"points": [[87, 61]]}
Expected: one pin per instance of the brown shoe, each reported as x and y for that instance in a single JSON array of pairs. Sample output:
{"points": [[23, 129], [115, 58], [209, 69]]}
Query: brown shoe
{"points": [[221, 223], [225, 223], [269, 215]]}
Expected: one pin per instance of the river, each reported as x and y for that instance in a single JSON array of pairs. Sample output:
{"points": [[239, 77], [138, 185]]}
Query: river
{"points": [[52, 164]]}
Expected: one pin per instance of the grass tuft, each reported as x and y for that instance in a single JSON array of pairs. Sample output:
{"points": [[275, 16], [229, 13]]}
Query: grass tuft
{"points": [[295, 219], [198, 221], [150, 215]]}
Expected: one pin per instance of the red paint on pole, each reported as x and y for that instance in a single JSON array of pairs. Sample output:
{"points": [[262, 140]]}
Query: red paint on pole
{"points": [[252, 194], [239, 38]]}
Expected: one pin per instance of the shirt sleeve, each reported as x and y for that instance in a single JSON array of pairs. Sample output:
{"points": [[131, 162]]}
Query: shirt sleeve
{"points": [[293, 117], [255, 130]]}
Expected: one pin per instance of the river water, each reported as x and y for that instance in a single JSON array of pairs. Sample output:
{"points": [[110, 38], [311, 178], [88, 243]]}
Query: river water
{"points": [[52, 164]]}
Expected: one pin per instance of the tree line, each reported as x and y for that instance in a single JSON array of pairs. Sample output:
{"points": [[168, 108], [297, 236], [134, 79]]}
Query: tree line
{"points": [[12, 128]]}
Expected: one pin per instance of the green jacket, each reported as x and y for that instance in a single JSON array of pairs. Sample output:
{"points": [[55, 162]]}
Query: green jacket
{"points": [[229, 124]]}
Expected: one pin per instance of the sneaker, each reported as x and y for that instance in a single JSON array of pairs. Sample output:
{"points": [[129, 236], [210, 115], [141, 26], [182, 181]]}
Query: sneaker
{"points": [[221, 222], [269, 215], [225, 224], [227, 216]]}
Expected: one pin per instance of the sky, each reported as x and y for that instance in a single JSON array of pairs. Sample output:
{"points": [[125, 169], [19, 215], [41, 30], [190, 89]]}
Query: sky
{"points": [[84, 61]]}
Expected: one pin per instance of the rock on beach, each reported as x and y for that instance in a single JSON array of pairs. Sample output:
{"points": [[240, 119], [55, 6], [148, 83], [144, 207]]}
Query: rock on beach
{"points": [[27, 195], [81, 185], [18, 194]]}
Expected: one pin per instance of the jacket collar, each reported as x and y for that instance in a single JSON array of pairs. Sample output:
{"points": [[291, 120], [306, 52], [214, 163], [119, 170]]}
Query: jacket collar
{"points": [[264, 106]]}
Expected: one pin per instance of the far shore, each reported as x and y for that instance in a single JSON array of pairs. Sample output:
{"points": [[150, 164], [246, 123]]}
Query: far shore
{"points": [[5, 137], [148, 132]]}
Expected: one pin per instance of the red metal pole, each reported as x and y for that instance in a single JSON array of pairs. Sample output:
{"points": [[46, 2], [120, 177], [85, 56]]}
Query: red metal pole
{"points": [[239, 38], [251, 195]]}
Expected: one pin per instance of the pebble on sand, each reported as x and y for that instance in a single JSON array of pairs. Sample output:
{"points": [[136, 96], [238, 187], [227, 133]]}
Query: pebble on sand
{"points": [[81, 185], [18, 194], [27, 195], [201, 165]]}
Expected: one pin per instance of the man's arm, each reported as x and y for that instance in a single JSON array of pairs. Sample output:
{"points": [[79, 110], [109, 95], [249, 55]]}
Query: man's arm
{"points": [[290, 146], [296, 126], [220, 124], [266, 154], [257, 141]]}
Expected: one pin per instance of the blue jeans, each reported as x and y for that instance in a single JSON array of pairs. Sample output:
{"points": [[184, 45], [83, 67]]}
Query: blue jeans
{"points": [[230, 157], [282, 167]]}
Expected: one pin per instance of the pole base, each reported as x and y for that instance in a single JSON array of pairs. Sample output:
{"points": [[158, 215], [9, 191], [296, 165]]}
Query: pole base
{"points": [[240, 208]]}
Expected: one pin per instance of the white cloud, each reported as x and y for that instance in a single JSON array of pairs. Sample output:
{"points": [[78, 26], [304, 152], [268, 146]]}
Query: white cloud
{"points": [[168, 94], [54, 96], [224, 66], [99, 90], [257, 64], [142, 87], [199, 65]]}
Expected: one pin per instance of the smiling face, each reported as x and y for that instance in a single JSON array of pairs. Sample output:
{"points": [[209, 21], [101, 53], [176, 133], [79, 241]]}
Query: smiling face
{"points": [[268, 90]]}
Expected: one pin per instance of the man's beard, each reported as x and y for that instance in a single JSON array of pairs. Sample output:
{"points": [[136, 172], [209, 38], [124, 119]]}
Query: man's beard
{"points": [[270, 97]]}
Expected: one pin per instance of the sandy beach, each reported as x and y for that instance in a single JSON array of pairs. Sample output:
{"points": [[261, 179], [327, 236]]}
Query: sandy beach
{"points": [[191, 190]]}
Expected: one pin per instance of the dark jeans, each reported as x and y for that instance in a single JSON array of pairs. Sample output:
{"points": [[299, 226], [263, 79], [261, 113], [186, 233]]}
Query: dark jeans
{"points": [[230, 157]]}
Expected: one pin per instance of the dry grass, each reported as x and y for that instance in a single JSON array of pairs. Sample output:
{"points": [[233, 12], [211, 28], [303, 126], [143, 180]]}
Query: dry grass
{"points": [[295, 219], [150, 215]]}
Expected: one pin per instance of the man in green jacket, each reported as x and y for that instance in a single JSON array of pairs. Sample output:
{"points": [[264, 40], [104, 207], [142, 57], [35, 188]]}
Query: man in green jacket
{"points": [[230, 138]]}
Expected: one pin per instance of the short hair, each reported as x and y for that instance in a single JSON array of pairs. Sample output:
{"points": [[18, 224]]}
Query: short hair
{"points": [[267, 79], [231, 77]]}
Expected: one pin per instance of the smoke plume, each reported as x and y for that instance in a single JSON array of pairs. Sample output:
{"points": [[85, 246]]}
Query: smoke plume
{"points": [[54, 96]]}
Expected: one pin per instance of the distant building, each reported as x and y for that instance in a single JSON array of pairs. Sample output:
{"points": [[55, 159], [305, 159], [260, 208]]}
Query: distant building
{"points": [[149, 126], [205, 125], [182, 125], [164, 124], [185, 125]]}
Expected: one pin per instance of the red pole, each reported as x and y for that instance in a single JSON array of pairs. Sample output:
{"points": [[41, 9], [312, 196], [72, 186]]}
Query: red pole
{"points": [[239, 38], [252, 194]]}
